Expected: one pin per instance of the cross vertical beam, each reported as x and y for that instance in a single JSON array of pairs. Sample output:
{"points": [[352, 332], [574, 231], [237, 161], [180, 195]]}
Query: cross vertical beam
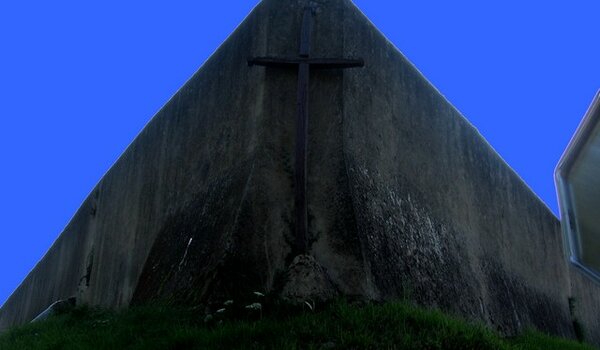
{"points": [[303, 63], [302, 136]]}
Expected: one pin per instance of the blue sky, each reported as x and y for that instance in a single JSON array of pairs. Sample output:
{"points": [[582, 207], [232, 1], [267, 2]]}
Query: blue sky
{"points": [[79, 80]]}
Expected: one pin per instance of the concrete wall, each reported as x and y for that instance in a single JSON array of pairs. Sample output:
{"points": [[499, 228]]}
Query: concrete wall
{"points": [[441, 215], [406, 199], [585, 305], [205, 133]]}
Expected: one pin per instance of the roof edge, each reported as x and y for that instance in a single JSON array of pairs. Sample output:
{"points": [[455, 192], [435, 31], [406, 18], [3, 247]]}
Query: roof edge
{"points": [[581, 135]]}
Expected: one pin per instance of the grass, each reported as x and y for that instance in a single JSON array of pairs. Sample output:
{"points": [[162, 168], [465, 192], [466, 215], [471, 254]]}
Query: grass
{"points": [[340, 325]]}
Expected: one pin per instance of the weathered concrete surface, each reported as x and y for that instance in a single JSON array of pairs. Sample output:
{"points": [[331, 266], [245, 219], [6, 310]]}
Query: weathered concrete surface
{"points": [[440, 214], [203, 142], [585, 304], [406, 199]]}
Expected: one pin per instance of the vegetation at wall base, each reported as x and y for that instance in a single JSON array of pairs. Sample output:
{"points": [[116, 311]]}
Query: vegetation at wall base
{"points": [[340, 325]]}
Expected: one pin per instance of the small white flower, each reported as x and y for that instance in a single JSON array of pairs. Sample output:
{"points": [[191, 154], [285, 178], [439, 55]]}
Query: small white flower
{"points": [[255, 306], [220, 311], [228, 302], [259, 294]]}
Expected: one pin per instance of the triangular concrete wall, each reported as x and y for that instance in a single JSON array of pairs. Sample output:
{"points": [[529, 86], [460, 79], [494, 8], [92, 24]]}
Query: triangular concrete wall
{"points": [[405, 198]]}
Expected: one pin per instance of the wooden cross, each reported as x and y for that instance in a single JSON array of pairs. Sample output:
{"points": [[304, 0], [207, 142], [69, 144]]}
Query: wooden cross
{"points": [[304, 63]]}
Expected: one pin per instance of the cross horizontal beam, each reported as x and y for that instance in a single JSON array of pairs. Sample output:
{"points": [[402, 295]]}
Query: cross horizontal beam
{"points": [[315, 63]]}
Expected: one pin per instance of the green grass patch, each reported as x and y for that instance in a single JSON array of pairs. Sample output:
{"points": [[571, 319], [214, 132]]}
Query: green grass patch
{"points": [[340, 325]]}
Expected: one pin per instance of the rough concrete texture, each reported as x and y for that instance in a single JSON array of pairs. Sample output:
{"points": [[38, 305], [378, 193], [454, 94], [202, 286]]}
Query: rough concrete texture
{"points": [[585, 305], [306, 280], [405, 198]]}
